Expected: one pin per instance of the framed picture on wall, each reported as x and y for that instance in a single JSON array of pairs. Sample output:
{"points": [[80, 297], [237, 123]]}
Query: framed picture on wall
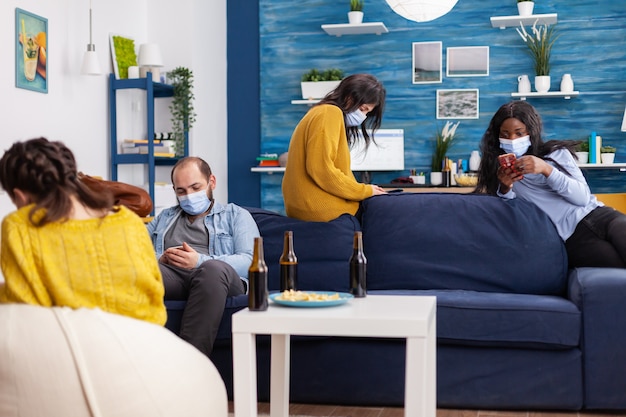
{"points": [[31, 51], [467, 61], [457, 104], [123, 55], [427, 62]]}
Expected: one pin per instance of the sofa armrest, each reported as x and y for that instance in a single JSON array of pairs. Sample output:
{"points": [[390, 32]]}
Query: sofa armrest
{"points": [[600, 293]]}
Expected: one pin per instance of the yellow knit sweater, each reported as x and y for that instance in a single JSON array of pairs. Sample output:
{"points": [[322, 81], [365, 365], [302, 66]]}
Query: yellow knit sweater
{"points": [[318, 184], [97, 263]]}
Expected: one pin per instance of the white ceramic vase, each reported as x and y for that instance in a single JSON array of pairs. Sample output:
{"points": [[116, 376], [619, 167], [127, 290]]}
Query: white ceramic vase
{"points": [[474, 161], [542, 83], [436, 178], [523, 84], [525, 8], [567, 84], [355, 18]]}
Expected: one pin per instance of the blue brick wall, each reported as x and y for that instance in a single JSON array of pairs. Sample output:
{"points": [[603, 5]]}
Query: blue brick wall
{"points": [[591, 47]]}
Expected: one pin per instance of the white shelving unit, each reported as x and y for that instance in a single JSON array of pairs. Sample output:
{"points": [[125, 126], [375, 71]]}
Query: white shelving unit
{"points": [[552, 94], [515, 21], [620, 166], [305, 101], [267, 170], [356, 29]]}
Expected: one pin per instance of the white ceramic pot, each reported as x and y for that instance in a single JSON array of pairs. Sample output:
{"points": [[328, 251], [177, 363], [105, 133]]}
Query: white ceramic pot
{"points": [[355, 18], [418, 179], [542, 83], [525, 8], [607, 158], [523, 84], [436, 178], [583, 157], [317, 89]]}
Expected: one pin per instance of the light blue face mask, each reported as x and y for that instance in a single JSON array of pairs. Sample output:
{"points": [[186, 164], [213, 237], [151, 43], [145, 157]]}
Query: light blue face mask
{"points": [[195, 203], [355, 118], [517, 146]]}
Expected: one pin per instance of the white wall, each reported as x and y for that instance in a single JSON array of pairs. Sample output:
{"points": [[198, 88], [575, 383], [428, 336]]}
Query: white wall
{"points": [[191, 33]]}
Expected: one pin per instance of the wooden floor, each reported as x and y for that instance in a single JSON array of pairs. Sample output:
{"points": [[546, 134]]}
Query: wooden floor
{"points": [[343, 411]]}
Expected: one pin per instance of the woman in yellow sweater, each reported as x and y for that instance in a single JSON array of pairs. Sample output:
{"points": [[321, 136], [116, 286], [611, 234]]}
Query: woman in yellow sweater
{"points": [[318, 184], [67, 245]]}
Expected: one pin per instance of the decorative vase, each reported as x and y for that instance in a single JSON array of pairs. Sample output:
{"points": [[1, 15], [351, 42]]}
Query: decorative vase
{"points": [[567, 84], [542, 83], [523, 84], [355, 18], [607, 158], [525, 8], [436, 178], [474, 161], [583, 157]]}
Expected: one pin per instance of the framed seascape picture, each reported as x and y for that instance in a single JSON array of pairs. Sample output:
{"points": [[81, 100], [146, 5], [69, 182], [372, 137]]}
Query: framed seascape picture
{"points": [[467, 61], [457, 104], [123, 55], [427, 62], [31, 51]]}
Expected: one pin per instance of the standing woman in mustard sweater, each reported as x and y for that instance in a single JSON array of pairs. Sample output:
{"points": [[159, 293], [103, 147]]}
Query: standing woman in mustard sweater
{"points": [[318, 184], [66, 245]]}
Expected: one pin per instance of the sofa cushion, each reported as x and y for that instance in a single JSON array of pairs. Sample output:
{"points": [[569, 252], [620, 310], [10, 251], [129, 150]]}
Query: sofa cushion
{"points": [[453, 241], [473, 318], [323, 249]]}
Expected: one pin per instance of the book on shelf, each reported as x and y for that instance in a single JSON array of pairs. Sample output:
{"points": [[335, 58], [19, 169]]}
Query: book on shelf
{"points": [[143, 149], [134, 142]]}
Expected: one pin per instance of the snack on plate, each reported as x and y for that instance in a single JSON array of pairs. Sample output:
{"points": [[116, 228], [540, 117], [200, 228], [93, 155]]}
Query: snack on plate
{"points": [[291, 295]]}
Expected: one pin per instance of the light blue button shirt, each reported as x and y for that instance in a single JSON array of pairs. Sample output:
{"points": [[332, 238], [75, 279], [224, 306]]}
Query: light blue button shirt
{"points": [[232, 230], [566, 199]]}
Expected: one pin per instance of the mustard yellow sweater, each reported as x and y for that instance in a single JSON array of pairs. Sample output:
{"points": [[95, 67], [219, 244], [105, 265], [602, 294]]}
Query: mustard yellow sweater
{"points": [[318, 184], [97, 263]]}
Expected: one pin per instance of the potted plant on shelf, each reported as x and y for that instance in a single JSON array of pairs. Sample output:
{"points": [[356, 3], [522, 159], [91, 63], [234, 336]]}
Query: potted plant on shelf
{"points": [[316, 84], [442, 144], [582, 152], [607, 154], [181, 107], [355, 15], [525, 7], [539, 45]]}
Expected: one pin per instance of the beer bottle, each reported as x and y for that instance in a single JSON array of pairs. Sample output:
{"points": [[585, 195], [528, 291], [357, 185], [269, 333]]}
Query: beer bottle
{"points": [[358, 264], [257, 279], [288, 265]]}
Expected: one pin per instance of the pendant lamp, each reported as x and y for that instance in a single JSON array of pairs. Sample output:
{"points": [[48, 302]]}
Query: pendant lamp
{"points": [[91, 63]]}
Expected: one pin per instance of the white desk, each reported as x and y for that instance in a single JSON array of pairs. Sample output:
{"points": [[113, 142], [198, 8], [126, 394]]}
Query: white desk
{"points": [[389, 316]]}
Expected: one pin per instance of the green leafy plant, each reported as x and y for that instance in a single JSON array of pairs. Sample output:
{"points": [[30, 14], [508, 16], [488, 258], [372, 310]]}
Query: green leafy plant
{"points": [[608, 149], [356, 5], [443, 142], [583, 146], [181, 107], [539, 45], [331, 74]]}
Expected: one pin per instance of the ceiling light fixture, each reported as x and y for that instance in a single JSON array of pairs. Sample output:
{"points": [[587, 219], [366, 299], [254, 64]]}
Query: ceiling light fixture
{"points": [[91, 63]]}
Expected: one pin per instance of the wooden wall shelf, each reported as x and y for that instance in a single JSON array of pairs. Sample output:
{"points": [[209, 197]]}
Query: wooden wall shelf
{"points": [[356, 29], [515, 21]]}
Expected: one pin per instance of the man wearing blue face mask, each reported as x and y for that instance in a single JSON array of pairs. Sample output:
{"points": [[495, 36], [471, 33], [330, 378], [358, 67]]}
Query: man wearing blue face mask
{"points": [[204, 250]]}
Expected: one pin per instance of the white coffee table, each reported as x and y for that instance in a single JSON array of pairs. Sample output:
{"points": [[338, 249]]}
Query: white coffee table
{"points": [[410, 317]]}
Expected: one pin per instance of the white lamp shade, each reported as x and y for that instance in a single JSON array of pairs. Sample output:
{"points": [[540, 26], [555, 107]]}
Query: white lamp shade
{"points": [[624, 122], [150, 55], [91, 64]]}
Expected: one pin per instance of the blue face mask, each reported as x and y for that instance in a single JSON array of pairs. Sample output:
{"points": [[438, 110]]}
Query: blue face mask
{"points": [[355, 118], [515, 146], [195, 203]]}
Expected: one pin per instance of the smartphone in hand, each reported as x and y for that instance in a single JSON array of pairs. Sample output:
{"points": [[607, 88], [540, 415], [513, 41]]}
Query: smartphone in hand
{"points": [[507, 161]]}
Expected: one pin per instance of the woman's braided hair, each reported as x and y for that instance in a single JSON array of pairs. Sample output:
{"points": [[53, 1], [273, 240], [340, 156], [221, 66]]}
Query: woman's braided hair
{"points": [[47, 172]]}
